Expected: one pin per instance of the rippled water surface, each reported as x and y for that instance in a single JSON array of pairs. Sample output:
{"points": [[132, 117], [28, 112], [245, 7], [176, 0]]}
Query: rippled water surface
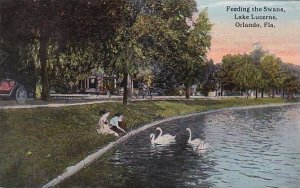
{"points": [[248, 148]]}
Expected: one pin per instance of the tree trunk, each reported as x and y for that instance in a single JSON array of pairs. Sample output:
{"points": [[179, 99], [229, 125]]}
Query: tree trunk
{"points": [[125, 92], [283, 93], [288, 94], [34, 87], [187, 91], [44, 68], [262, 93], [256, 93]]}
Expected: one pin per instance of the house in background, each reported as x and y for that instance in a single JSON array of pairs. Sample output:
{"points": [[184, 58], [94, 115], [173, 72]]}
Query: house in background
{"points": [[98, 83]]}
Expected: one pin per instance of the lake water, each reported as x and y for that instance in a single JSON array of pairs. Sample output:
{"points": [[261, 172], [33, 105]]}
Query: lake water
{"points": [[247, 148]]}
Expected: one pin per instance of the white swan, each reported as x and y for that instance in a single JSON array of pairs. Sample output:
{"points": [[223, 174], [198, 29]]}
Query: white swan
{"points": [[194, 143], [165, 136], [201, 148], [159, 140], [198, 145], [162, 139]]}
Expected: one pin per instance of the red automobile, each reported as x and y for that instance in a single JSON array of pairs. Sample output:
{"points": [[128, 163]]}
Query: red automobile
{"points": [[11, 89]]}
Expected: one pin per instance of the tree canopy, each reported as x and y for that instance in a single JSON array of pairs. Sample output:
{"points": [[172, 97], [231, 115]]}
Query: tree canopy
{"points": [[57, 43]]}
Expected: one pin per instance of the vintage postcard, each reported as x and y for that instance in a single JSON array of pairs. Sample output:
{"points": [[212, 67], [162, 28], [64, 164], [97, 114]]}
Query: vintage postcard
{"points": [[149, 93]]}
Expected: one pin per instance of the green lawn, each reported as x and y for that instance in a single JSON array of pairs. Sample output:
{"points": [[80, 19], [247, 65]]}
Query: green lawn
{"points": [[38, 144]]}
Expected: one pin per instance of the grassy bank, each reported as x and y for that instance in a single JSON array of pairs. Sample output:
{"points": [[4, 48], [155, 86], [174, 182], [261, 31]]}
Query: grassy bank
{"points": [[38, 144]]}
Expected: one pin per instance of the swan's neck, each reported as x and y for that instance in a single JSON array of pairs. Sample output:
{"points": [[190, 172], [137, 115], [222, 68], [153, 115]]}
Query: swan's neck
{"points": [[152, 138], [160, 132], [190, 138]]}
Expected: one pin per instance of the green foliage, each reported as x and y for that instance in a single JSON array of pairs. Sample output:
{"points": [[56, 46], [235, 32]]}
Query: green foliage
{"points": [[226, 74], [292, 85], [211, 80], [270, 66], [204, 88], [289, 79], [246, 74], [77, 29], [198, 43], [159, 33], [257, 53], [64, 40], [133, 48], [184, 56], [72, 65]]}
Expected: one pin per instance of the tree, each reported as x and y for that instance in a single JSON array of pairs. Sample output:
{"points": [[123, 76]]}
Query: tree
{"points": [[291, 79], [185, 55], [210, 81], [292, 85], [61, 24], [226, 74], [72, 65], [194, 57], [270, 67], [257, 53], [239, 72], [246, 75], [157, 31], [136, 46]]}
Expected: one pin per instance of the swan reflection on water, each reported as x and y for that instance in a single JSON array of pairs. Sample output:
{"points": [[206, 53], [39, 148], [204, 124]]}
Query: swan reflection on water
{"points": [[160, 150]]}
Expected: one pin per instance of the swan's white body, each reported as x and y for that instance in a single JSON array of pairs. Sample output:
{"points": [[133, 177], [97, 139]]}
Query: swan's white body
{"points": [[194, 143], [165, 136], [162, 139], [159, 140], [197, 144], [201, 148]]}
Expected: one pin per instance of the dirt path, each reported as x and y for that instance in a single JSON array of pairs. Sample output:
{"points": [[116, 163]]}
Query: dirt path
{"points": [[83, 100]]}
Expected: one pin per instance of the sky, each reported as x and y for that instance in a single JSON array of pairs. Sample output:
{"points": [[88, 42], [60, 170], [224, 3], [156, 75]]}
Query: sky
{"points": [[283, 40]]}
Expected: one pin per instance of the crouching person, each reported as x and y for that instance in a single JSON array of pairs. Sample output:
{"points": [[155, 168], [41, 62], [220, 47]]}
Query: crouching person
{"points": [[104, 127], [117, 122]]}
